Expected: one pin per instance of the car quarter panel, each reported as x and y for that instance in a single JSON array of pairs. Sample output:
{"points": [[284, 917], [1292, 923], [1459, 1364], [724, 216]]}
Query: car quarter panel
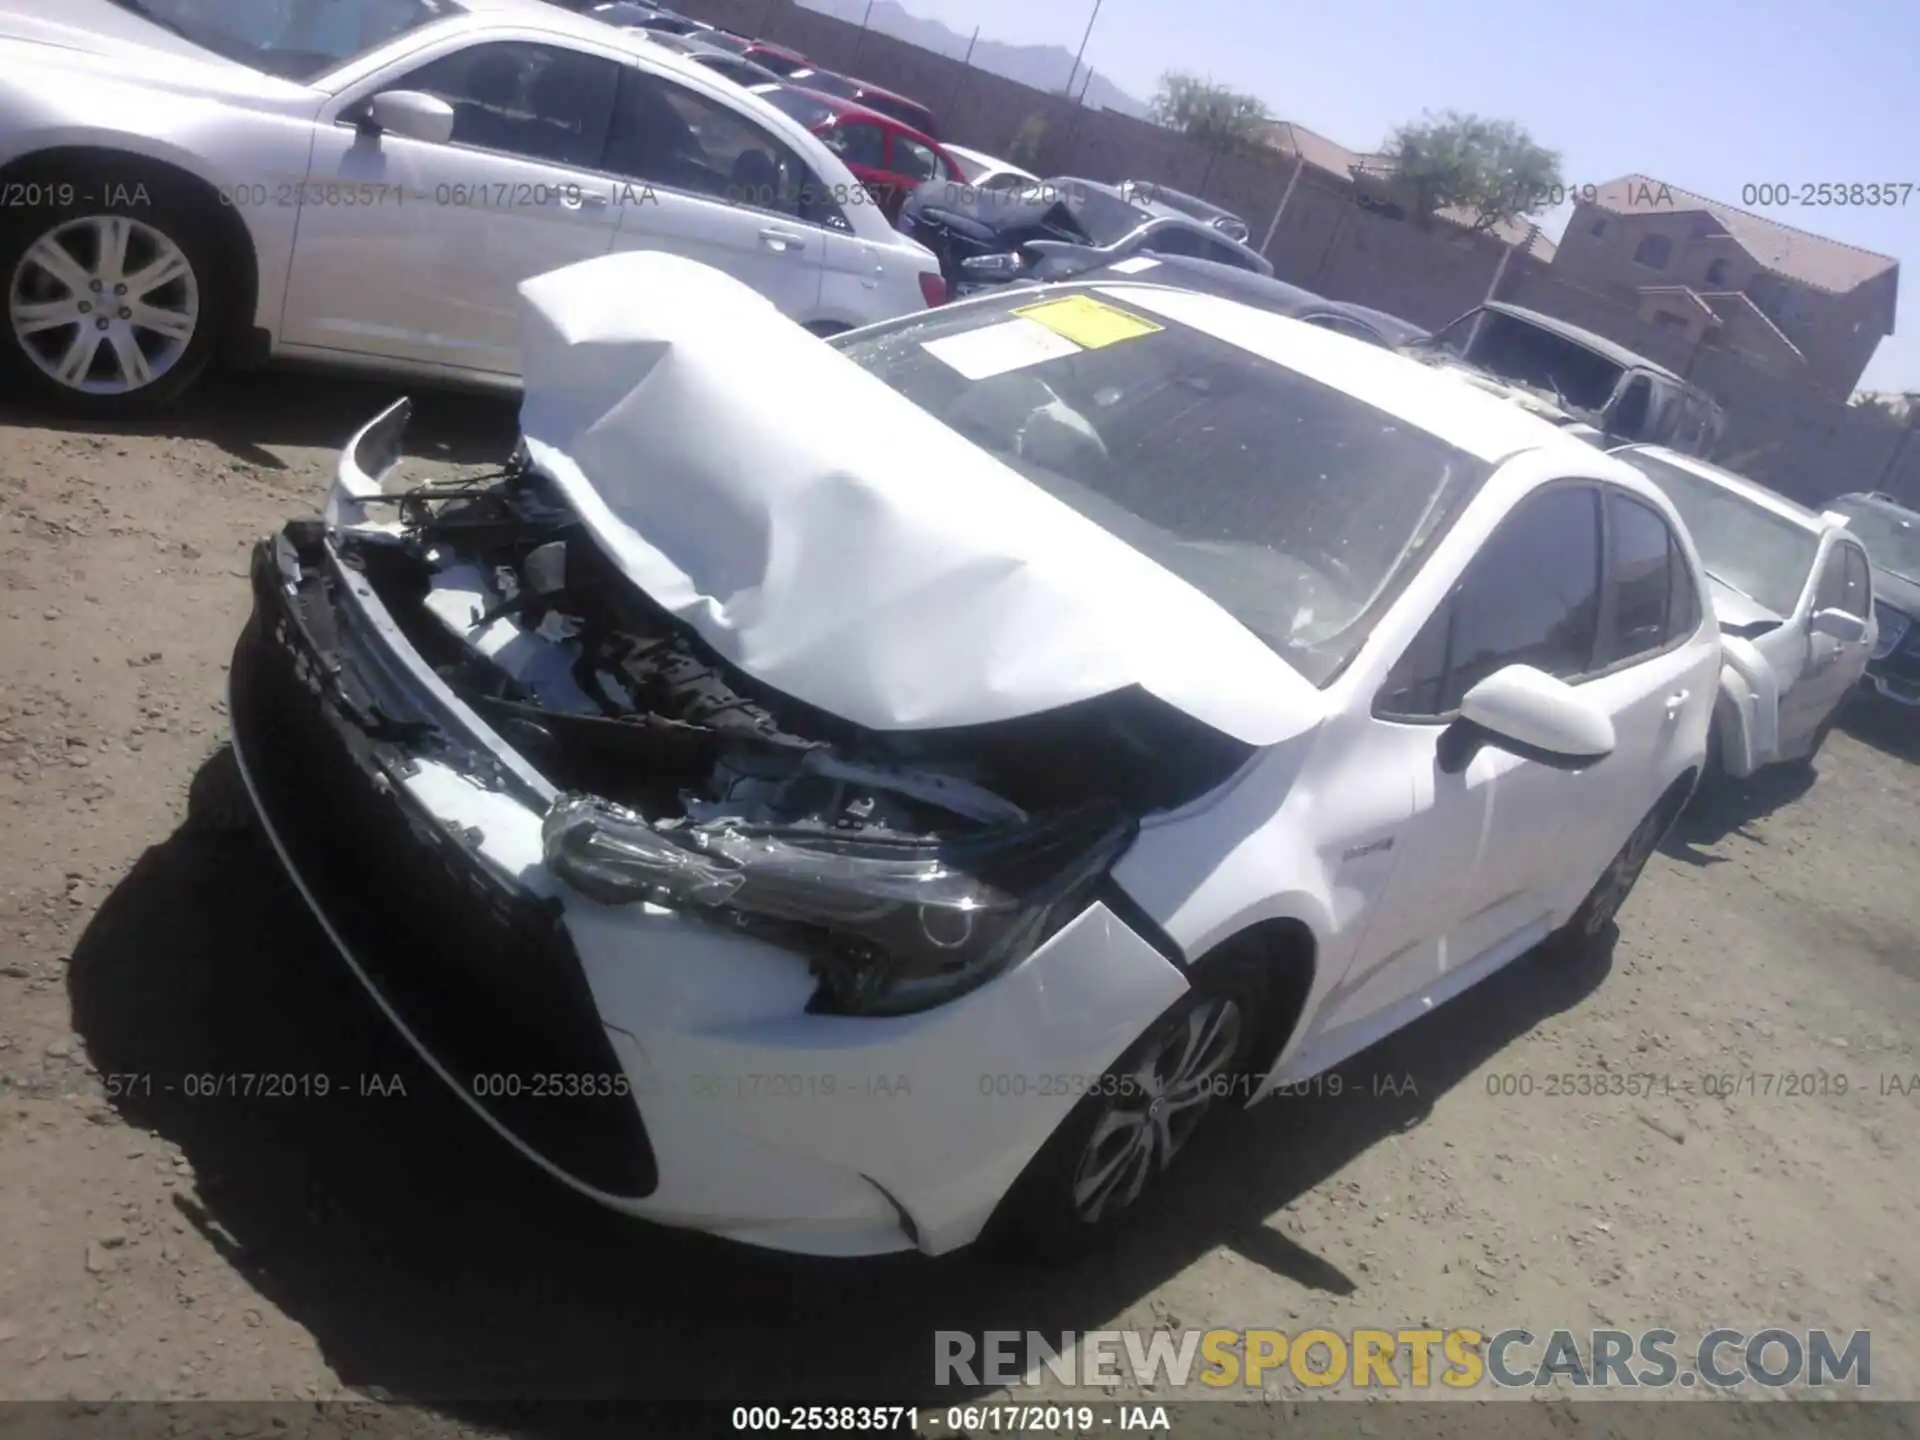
{"points": [[941, 1109], [249, 143]]}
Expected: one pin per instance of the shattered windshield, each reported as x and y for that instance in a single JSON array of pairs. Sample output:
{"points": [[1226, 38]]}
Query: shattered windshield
{"points": [[1105, 217], [1892, 537], [1294, 506], [1742, 544], [296, 39], [1512, 349]]}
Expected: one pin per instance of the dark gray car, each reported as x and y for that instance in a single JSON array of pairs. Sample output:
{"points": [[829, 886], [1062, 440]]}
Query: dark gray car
{"points": [[1891, 533]]}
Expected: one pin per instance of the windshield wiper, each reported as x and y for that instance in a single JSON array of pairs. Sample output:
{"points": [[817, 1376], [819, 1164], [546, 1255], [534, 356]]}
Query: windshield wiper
{"points": [[146, 12]]}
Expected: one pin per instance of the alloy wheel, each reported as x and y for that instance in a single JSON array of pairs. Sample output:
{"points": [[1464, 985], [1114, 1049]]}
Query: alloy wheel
{"points": [[104, 305], [1161, 1102]]}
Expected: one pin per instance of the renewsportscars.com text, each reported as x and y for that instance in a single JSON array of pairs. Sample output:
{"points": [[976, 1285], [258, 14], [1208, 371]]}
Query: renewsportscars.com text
{"points": [[1458, 1359]]}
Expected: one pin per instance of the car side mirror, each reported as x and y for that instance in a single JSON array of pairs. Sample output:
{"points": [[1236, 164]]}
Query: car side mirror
{"points": [[1528, 713], [1847, 628], [410, 113]]}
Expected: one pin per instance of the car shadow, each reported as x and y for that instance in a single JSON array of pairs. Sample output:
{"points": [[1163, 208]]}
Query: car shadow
{"points": [[1726, 806], [434, 1267], [1887, 726], [244, 412]]}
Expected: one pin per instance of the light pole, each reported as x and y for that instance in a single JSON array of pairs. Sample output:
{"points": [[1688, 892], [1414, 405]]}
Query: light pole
{"points": [[1074, 73]]}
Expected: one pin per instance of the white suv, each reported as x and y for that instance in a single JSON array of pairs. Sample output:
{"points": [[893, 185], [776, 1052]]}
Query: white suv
{"points": [[859, 797], [365, 182]]}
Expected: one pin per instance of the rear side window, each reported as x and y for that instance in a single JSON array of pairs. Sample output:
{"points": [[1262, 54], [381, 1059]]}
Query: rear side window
{"points": [[1648, 583], [667, 135], [915, 161], [858, 144], [1530, 597], [1175, 241], [1226, 254]]}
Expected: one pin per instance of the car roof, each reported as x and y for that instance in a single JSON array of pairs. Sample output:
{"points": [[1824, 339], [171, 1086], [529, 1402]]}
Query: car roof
{"points": [[1485, 426], [1586, 339], [1237, 280], [1752, 491], [854, 110], [1876, 500]]}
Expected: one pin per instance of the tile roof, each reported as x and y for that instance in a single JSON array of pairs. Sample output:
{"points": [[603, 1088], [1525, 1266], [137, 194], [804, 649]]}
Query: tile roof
{"points": [[1316, 149], [1801, 255]]}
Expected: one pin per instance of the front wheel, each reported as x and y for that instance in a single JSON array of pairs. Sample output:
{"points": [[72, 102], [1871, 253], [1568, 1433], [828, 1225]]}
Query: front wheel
{"points": [[1818, 742], [111, 309], [1112, 1150]]}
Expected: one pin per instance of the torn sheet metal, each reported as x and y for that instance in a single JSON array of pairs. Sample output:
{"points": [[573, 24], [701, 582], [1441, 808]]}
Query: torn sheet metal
{"points": [[838, 543]]}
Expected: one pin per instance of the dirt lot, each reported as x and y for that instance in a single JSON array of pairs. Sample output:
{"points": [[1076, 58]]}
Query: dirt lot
{"points": [[156, 1245]]}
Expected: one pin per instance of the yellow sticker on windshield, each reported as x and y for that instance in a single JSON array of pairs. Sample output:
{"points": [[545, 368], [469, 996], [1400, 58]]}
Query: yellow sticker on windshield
{"points": [[1088, 322]]}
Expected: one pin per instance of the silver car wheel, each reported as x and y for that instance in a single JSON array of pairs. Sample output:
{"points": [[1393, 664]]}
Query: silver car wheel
{"points": [[1161, 1103], [105, 305]]}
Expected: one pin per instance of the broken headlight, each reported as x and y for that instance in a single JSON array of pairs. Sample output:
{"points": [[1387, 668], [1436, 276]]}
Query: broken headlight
{"points": [[894, 925]]}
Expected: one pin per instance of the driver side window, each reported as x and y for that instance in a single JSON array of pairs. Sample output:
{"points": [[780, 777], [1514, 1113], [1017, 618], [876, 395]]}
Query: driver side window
{"points": [[1530, 597], [1173, 241], [538, 102]]}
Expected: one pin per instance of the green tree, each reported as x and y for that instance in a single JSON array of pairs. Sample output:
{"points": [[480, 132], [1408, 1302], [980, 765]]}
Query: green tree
{"points": [[1025, 147], [1492, 169], [1217, 116]]}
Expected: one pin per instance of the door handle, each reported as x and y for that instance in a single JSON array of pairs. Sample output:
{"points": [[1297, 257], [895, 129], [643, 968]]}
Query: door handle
{"points": [[585, 200], [1675, 701], [782, 241]]}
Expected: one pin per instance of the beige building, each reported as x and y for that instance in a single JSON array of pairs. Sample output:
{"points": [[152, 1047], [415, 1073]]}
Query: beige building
{"points": [[1795, 304]]}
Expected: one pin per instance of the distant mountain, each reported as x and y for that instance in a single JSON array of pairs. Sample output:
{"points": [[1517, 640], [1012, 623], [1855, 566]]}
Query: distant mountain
{"points": [[1044, 67]]}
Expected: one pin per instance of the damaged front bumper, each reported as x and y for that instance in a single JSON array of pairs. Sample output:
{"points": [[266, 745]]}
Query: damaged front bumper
{"points": [[665, 1065]]}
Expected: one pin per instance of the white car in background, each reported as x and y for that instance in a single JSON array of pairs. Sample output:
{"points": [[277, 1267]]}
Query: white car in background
{"points": [[985, 172], [1793, 591], [365, 182], [862, 797]]}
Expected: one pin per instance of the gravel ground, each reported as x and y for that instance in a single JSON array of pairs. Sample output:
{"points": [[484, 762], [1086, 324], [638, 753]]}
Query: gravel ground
{"points": [[382, 1243]]}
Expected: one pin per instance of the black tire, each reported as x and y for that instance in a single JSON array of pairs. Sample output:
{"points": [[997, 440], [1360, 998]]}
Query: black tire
{"points": [[1040, 1217], [1818, 743], [156, 211], [1616, 882], [218, 805]]}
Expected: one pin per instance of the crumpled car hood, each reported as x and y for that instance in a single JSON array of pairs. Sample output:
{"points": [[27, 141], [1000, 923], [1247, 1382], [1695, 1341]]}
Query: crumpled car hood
{"points": [[835, 541], [1733, 608]]}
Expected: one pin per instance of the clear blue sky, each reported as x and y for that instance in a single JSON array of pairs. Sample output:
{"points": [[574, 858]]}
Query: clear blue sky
{"points": [[1709, 95]]}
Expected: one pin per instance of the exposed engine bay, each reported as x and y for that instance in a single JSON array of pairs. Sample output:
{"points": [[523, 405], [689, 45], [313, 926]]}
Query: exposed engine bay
{"points": [[684, 782]]}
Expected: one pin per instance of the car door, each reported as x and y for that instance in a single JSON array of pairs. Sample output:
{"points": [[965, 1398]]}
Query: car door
{"points": [[1833, 666], [1482, 861], [428, 271], [1655, 671], [910, 164], [714, 184]]}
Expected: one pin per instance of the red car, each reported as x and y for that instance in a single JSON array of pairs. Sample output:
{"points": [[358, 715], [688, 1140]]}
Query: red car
{"points": [[910, 113], [890, 159], [777, 58]]}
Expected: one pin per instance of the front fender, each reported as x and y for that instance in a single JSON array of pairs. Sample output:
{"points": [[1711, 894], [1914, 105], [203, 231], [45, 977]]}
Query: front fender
{"points": [[1748, 708]]}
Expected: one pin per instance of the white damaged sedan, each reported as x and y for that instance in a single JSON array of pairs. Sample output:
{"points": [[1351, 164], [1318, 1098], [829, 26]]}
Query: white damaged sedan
{"points": [[884, 793]]}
